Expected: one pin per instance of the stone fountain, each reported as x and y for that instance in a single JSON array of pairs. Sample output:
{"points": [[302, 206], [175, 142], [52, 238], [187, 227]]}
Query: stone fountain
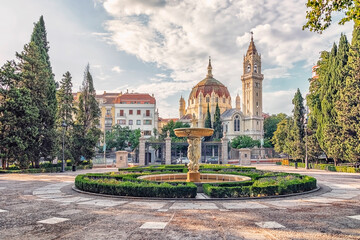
{"points": [[194, 150]]}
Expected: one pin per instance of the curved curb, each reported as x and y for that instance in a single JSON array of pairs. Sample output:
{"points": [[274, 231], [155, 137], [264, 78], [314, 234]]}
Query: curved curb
{"points": [[196, 199]]}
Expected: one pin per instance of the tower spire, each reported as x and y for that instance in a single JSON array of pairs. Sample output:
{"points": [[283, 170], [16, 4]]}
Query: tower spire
{"points": [[252, 49], [209, 68]]}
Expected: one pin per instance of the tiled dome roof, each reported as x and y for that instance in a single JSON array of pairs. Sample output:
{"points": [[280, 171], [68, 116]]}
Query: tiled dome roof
{"points": [[209, 85]]}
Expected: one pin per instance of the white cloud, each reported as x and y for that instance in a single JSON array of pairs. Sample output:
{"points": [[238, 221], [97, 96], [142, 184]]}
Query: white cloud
{"points": [[179, 36], [117, 69], [278, 101], [279, 72]]}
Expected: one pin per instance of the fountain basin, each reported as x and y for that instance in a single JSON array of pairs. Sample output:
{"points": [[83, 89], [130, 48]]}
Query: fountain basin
{"points": [[204, 178]]}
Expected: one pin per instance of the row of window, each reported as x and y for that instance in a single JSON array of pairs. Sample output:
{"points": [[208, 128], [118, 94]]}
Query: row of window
{"points": [[131, 112], [131, 122], [134, 102], [236, 124], [257, 85], [208, 100]]}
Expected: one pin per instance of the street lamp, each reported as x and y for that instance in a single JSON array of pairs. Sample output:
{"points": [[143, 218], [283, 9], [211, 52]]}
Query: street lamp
{"points": [[306, 139], [63, 125]]}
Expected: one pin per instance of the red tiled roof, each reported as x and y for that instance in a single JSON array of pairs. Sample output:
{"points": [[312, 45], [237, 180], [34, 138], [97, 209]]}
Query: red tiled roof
{"points": [[186, 117], [168, 119], [140, 98], [112, 98]]}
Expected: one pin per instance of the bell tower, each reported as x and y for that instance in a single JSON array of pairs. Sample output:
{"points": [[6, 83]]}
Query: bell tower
{"points": [[252, 82], [252, 79]]}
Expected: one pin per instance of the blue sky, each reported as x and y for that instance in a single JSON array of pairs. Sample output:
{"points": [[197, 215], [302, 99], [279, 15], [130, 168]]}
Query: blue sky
{"points": [[162, 46]]}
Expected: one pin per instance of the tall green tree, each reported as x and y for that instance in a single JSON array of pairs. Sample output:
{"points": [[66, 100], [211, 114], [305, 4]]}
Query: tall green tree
{"points": [[297, 130], [313, 147], [86, 133], [324, 94], [37, 76], [65, 100], [18, 114], [48, 116], [65, 112], [270, 125], [319, 16], [244, 142], [282, 139], [122, 137], [217, 123], [208, 118], [348, 105], [170, 126]]}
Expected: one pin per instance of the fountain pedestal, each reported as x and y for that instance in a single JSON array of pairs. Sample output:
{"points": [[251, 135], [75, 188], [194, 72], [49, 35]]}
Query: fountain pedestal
{"points": [[193, 138], [193, 177]]}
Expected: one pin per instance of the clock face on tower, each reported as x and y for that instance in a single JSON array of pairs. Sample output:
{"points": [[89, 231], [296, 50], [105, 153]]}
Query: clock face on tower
{"points": [[248, 68]]}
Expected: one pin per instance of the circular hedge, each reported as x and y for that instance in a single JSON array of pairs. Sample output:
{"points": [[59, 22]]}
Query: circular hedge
{"points": [[262, 183]]}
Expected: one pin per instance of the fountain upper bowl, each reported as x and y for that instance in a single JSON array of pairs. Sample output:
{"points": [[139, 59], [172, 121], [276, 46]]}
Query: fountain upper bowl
{"points": [[193, 132]]}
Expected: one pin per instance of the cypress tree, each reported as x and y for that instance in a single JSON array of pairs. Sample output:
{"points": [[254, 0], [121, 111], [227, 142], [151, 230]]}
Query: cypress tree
{"points": [[324, 95], [348, 105], [208, 118], [333, 133], [297, 130], [48, 117], [313, 147], [65, 101], [86, 132], [35, 78], [217, 123], [65, 112], [18, 114]]}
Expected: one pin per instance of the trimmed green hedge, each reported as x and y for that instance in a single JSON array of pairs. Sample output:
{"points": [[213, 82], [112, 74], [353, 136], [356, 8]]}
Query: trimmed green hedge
{"points": [[42, 169], [266, 186], [129, 185], [328, 167], [262, 183]]}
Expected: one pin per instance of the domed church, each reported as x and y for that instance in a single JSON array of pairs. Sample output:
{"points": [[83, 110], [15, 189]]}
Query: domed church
{"points": [[209, 92]]}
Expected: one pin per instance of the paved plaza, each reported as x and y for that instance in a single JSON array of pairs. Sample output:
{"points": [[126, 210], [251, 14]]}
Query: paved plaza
{"points": [[44, 206]]}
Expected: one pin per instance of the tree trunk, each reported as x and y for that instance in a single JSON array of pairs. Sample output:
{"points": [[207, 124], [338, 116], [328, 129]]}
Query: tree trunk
{"points": [[3, 163], [37, 163]]}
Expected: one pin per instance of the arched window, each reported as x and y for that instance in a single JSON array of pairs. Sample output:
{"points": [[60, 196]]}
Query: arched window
{"points": [[237, 123], [255, 68]]}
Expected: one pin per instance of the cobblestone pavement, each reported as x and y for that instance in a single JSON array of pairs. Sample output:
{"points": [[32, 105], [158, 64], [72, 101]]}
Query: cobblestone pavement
{"points": [[44, 206]]}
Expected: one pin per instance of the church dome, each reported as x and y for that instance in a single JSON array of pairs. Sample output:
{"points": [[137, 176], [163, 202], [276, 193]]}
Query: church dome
{"points": [[209, 85]]}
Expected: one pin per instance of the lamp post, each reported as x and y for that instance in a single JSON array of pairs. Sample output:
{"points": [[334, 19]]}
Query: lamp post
{"points": [[306, 139], [104, 148], [63, 125]]}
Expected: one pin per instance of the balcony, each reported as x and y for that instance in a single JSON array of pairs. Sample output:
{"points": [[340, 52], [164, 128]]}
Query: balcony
{"points": [[108, 116]]}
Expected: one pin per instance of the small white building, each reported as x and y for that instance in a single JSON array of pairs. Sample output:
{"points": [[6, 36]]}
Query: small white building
{"points": [[133, 110]]}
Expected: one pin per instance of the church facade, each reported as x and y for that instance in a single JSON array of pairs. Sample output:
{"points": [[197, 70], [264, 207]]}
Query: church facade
{"points": [[246, 118]]}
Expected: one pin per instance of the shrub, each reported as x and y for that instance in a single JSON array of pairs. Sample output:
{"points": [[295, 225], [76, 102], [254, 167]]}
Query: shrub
{"points": [[129, 185], [266, 186]]}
